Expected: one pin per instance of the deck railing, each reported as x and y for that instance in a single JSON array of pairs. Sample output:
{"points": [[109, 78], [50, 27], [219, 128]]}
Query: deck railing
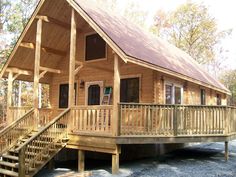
{"points": [[91, 119], [17, 129], [17, 112], [45, 116], [176, 120]]}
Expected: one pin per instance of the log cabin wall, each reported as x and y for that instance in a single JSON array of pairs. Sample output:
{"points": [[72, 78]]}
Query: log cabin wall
{"points": [[191, 91], [99, 70]]}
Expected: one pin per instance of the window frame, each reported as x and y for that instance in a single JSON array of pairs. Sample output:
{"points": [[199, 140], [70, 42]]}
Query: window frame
{"points": [[93, 60], [201, 101], [76, 94], [139, 76], [174, 84]]}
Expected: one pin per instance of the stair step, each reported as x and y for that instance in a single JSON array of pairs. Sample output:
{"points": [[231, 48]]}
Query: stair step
{"points": [[8, 172], [6, 156], [8, 164]]}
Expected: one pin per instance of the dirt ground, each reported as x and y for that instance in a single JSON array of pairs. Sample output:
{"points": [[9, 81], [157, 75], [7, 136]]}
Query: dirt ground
{"points": [[201, 160]]}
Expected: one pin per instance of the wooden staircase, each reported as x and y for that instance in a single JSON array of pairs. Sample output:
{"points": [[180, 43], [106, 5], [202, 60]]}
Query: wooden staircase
{"points": [[34, 150]]}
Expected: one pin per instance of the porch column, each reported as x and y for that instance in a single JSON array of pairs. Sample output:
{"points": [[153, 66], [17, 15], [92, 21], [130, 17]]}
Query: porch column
{"points": [[71, 100], [9, 97], [36, 70], [116, 96]]}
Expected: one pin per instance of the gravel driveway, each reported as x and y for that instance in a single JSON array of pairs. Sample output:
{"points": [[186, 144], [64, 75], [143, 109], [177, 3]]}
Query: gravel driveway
{"points": [[202, 160]]}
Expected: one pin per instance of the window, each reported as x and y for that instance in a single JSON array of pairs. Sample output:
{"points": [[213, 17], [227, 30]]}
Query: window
{"points": [[169, 94], [177, 95], [129, 91], [173, 93], [94, 95], [203, 97], [64, 95], [218, 99], [95, 47]]}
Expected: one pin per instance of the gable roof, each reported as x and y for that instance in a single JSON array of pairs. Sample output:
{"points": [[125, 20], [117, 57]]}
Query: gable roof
{"points": [[134, 45], [144, 47]]}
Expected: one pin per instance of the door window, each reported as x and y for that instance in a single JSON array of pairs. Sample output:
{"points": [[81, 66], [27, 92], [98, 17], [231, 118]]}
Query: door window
{"points": [[129, 91]]}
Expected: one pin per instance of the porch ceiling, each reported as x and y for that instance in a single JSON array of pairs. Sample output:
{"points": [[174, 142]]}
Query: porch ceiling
{"points": [[55, 39]]}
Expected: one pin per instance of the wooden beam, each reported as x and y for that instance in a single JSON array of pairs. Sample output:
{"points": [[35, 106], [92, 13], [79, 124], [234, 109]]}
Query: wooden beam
{"points": [[41, 75], [54, 21], [116, 96], [226, 150], [9, 98], [31, 45], [16, 75], [51, 70], [19, 71], [72, 60], [78, 69], [37, 69]]}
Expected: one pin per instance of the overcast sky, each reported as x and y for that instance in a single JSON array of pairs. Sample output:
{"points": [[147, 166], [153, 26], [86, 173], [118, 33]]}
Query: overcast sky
{"points": [[223, 10]]}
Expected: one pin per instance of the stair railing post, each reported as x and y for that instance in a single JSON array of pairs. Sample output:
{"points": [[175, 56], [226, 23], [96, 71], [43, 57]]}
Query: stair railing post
{"points": [[22, 162]]}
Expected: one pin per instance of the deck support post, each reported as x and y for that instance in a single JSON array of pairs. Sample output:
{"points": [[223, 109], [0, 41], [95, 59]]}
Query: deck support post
{"points": [[71, 100], [81, 161], [9, 97], [37, 70], [226, 150], [116, 96], [116, 161], [51, 164]]}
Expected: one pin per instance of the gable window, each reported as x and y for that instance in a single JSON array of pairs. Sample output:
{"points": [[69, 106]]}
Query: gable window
{"points": [[129, 90], [173, 93], [95, 47], [218, 99], [64, 95], [94, 95], [203, 97]]}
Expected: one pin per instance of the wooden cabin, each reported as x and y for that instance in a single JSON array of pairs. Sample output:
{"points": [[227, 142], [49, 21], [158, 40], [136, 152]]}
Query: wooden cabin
{"points": [[111, 84]]}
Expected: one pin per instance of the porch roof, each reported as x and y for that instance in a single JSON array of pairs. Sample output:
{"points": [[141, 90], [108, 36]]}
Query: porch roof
{"points": [[146, 48]]}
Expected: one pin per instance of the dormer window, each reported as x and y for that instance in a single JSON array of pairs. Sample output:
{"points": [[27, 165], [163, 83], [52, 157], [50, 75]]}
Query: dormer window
{"points": [[95, 47]]}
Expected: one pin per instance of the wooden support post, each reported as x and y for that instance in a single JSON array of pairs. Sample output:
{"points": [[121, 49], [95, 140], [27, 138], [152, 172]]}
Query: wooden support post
{"points": [[72, 60], [9, 98], [51, 164], [37, 70], [116, 160], [22, 162], [81, 159], [226, 150], [116, 96], [175, 120]]}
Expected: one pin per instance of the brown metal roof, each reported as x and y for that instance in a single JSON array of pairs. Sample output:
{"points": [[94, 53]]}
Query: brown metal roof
{"points": [[136, 43]]}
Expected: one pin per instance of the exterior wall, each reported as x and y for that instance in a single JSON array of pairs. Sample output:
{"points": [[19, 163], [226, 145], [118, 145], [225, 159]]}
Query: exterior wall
{"points": [[151, 82], [191, 91], [100, 70]]}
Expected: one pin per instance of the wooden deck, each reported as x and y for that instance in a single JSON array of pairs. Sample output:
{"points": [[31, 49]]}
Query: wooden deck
{"points": [[91, 127]]}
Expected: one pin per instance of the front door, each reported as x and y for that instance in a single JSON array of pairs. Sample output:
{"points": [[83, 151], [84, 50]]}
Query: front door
{"points": [[93, 93]]}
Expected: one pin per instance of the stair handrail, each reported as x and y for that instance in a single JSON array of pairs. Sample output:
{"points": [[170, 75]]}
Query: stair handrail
{"points": [[58, 130], [9, 135]]}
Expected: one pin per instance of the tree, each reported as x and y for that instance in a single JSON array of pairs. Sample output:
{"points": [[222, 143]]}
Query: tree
{"points": [[134, 13], [229, 80], [108, 4], [4, 9], [191, 28]]}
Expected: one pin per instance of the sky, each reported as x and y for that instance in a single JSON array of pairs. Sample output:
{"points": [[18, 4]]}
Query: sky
{"points": [[222, 10]]}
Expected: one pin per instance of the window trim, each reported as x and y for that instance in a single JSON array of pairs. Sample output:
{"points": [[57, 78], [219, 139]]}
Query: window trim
{"points": [[87, 84], [139, 76], [94, 60], [76, 96], [173, 84]]}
